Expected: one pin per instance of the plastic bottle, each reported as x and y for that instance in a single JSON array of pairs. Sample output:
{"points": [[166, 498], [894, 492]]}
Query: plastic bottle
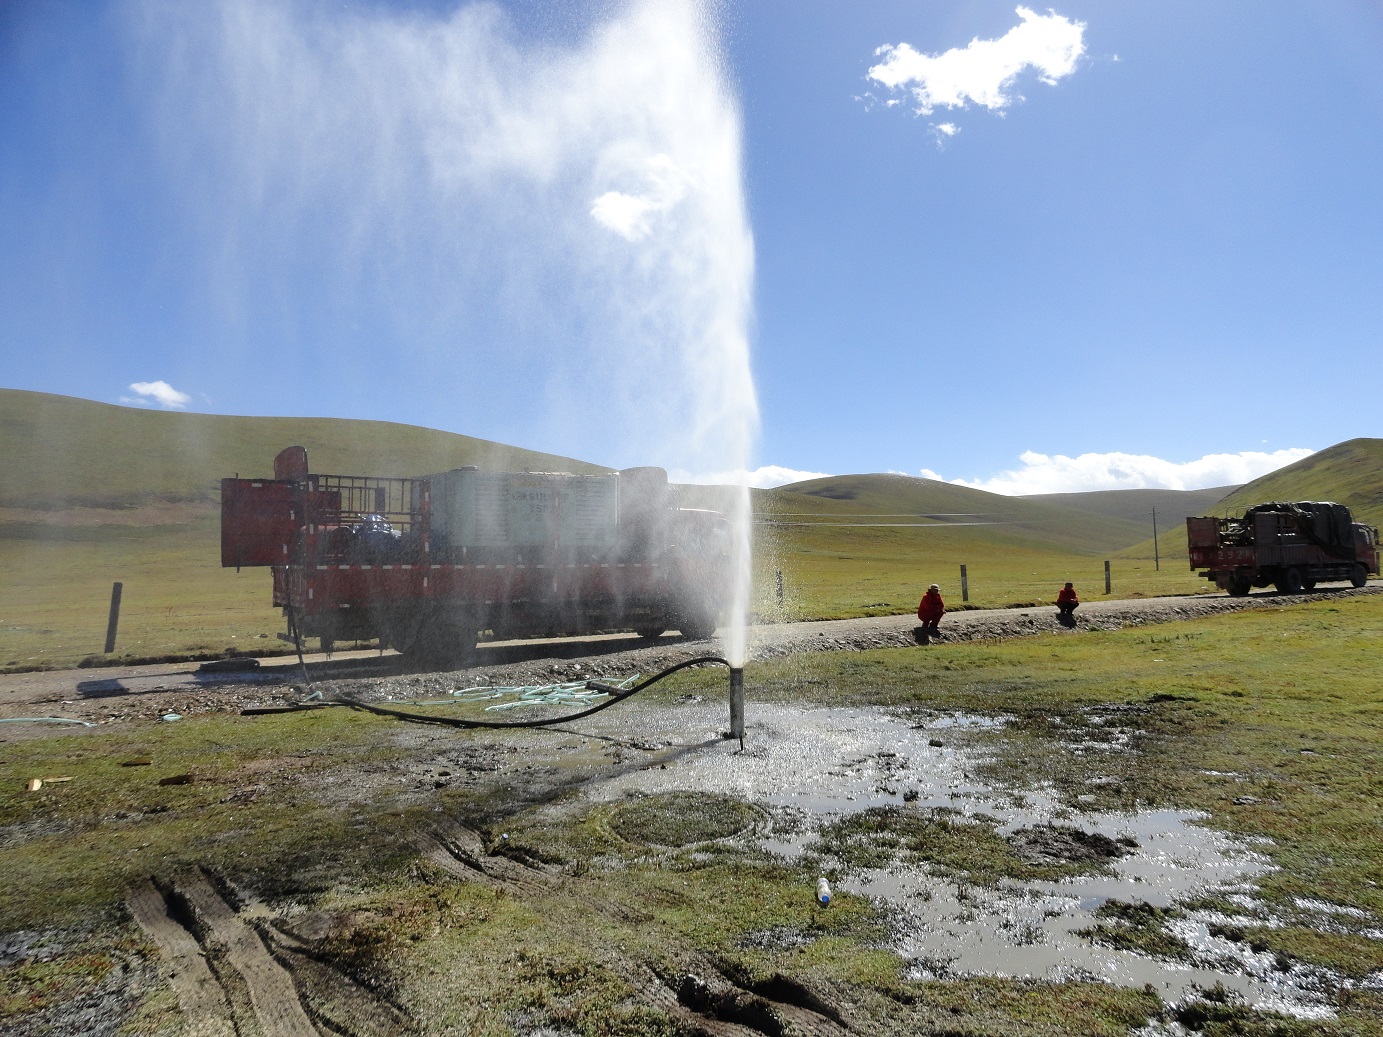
{"points": [[823, 891]]}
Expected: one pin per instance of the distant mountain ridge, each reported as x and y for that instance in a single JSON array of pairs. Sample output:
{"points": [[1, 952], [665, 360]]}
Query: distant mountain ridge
{"points": [[891, 498], [1173, 506], [63, 452]]}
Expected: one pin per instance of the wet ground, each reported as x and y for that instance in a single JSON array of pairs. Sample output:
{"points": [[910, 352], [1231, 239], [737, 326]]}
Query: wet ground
{"points": [[1151, 897], [810, 767]]}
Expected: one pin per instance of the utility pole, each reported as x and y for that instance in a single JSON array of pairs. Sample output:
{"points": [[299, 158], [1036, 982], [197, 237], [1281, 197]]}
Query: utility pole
{"points": [[1157, 557]]}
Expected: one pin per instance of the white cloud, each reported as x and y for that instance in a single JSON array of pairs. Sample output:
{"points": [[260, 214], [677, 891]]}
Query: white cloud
{"points": [[629, 215], [948, 129], [159, 392], [1043, 473], [764, 477], [984, 71]]}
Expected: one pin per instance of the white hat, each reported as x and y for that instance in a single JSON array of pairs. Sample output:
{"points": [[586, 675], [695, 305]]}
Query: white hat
{"points": [[934, 587]]}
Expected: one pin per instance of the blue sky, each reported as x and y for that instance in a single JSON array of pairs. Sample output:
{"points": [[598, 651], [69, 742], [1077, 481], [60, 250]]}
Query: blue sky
{"points": [[1157, 263]]}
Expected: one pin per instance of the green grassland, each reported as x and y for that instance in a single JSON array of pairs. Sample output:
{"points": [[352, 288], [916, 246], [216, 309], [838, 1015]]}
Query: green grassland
{"points": [[1267, 721], [94, 494], [176, 601], [840, 573]]}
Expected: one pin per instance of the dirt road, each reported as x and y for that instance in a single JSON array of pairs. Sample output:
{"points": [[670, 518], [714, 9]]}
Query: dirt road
{"points": [[146, 694]]}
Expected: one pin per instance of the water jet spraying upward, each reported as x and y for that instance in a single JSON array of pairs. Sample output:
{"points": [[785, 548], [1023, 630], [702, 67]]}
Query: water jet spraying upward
{"points": [[500, 228]]}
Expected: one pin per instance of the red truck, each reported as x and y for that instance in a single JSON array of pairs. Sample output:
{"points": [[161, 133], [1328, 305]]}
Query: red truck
{"points": [[425, 565], [1292, 546]]}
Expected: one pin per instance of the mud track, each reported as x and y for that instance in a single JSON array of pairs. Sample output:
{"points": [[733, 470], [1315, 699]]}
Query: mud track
{"points": [[237, 974], [239, 971]]}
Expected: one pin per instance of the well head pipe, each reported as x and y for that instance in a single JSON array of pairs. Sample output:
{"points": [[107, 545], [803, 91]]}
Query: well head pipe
{"points": [[737, 703]]}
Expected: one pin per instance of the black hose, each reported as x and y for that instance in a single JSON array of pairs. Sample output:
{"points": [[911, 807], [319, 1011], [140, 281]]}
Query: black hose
{"points": [[297, 640], [617, 695]]}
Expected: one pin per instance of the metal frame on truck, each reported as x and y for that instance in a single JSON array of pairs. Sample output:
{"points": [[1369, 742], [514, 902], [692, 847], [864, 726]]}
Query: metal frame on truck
{"points": [[513, 554]]}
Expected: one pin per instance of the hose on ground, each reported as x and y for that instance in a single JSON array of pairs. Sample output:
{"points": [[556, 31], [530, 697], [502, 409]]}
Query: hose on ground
{"points": [[616, 695]]}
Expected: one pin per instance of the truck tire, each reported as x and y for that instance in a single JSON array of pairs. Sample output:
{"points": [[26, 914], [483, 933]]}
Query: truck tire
{"points": [[697, 624], [1290, 581], [1239, 586], [1358, 576], [444, 639], [1309, 585], [650, 633]]}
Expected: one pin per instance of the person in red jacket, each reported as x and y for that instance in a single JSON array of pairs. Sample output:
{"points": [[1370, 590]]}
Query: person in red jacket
{"points": [[1067, 602], [930, 610]]}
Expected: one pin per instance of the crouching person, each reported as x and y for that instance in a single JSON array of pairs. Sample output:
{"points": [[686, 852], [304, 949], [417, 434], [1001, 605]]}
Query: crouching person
{"points": [[930, 610], [1067, 603]]}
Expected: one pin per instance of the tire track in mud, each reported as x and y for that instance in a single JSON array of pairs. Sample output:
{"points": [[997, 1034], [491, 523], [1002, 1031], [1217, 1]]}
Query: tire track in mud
{"points": [[708, 999], [236, 977], [200, 996]]}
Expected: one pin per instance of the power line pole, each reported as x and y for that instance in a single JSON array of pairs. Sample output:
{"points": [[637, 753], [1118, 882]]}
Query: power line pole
{"points": [[1157, 557]]}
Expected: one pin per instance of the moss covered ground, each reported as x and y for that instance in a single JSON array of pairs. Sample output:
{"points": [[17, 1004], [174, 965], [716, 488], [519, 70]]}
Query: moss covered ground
{"points": [[1267, 721]]}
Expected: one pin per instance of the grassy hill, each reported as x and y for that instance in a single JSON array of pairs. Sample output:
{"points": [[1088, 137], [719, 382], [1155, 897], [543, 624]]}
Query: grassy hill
{"points": [[1348, 473], [901, 499], [1173, 506], [62, 452], [868, 544]]}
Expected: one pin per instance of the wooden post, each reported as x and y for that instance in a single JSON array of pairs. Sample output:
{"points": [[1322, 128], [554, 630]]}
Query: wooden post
{"points": [[778, 576], [1106, 577], [113, 623], [1157, 559], [964, 585]]}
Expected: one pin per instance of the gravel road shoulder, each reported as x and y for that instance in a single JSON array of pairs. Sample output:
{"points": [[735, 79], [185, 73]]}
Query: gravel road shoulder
{"points": [[147, 694]]}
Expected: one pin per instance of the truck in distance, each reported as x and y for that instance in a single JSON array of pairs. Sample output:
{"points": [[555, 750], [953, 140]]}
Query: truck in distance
{"points": [[1290, 546], [426, 565]]}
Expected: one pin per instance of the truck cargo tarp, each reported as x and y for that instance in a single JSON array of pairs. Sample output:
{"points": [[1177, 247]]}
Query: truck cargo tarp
{"points": [[1328, 526]]}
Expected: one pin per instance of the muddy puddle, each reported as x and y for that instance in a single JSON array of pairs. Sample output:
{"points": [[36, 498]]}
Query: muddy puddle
{"points": [[814, 769]]}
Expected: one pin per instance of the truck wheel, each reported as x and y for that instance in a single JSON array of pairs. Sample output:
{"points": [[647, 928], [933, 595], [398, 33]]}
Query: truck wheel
{"points": [[1309, 585], [1289, 582], [697, 624], [1239, 586], [1358, 576], [443, 640], [650, 633]]}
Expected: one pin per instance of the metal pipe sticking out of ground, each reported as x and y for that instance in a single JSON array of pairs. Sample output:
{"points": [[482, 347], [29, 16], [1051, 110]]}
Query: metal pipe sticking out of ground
{"points": [[737, 703]]}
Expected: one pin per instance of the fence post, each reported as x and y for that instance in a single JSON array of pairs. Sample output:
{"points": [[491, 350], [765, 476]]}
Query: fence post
{"points": [[1157, 557], [778, 576], [964, 585], [1106, 577], [114, 622]]}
